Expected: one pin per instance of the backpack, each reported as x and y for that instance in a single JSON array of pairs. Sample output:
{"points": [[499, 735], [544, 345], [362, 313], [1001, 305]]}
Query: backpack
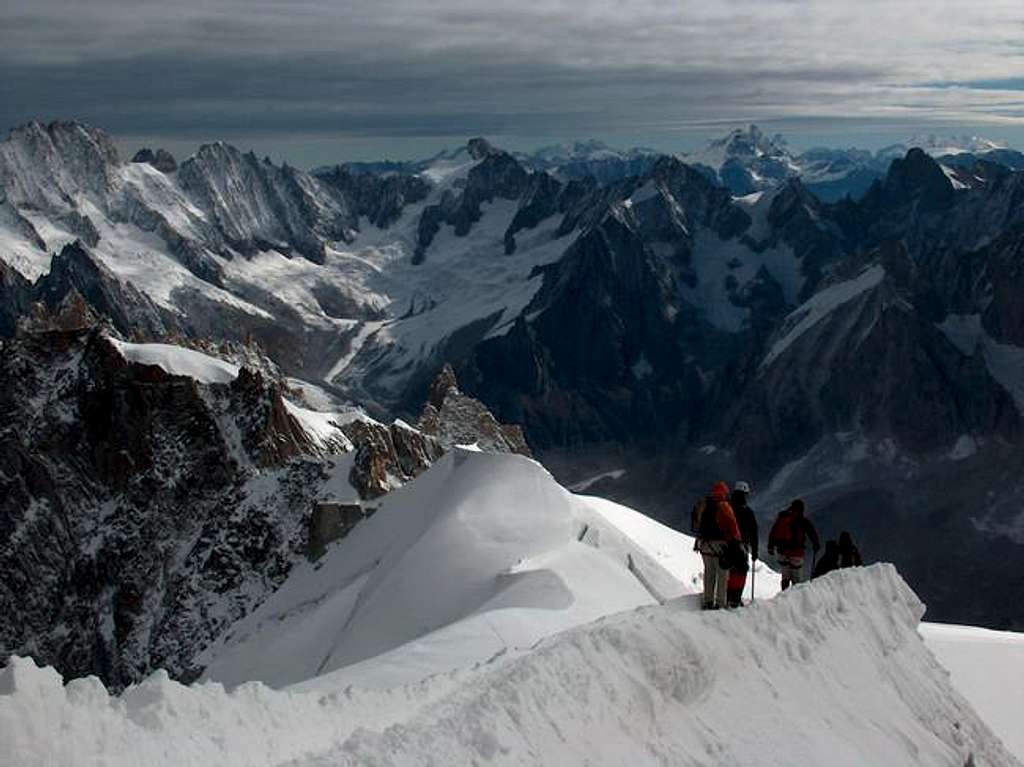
{"points": [[704, 520], [696, 514], [789, 530]]}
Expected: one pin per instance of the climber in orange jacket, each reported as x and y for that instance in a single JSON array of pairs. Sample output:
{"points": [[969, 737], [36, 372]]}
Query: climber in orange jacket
{"points": [[717, 533]]}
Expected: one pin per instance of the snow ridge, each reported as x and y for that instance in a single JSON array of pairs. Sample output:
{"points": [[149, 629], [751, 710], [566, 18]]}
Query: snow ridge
{"points": [[830, 672]]}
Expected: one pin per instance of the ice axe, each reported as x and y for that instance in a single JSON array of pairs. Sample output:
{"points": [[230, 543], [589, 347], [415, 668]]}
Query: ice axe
{"points": [[753, 570]]}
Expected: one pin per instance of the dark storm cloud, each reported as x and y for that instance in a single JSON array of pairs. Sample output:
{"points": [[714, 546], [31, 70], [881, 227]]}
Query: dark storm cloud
{"points": [[396, 68]]}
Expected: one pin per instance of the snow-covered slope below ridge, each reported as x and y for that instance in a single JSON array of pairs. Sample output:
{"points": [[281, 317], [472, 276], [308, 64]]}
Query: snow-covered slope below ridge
{"points": [[832, 672], [507, 664], [533, 560]]}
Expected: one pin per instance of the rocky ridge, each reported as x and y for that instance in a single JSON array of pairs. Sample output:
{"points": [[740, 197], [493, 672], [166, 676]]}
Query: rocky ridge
{"points": [[145, 511]]}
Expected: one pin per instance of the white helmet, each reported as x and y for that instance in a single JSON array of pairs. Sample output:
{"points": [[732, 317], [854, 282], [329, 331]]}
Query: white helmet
{"points": [[742, 487]]}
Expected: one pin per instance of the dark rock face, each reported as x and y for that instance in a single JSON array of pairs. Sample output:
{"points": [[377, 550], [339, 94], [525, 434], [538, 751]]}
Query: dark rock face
{"points": [[541, 199], [161, 159], [129, 311], [838, 377], [381, 199], [116, 470], [612, 346], [15, 299]]}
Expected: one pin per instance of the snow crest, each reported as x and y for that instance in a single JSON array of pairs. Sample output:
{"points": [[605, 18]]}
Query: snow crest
{"points": [[833, 672], [393, 605], [178, 360]]}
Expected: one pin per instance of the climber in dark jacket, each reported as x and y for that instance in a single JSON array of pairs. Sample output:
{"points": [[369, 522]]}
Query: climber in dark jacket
{"points": [[849, 554], [747, 522], [829, 560]]}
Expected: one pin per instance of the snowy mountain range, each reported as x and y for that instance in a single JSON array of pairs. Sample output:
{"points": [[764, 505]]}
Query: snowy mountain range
{"points": [[220, 333], [747, 160]]}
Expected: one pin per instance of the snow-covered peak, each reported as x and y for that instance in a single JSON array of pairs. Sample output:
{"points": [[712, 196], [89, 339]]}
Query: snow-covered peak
{"points": [[46, 165], [739, 144], [941, 146], [583, 151]]}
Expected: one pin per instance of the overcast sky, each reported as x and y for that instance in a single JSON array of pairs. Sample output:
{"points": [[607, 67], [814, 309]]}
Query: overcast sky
{"points": [[314, 81]]}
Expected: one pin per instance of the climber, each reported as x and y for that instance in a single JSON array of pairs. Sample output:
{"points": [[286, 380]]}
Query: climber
{"points": [[747, 522], [789, 537], [849, 554], [829, 560], [715, 526]]}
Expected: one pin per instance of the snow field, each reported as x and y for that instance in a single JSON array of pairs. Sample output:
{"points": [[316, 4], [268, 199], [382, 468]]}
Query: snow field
{"points": [[831, 673], [988, 668]]}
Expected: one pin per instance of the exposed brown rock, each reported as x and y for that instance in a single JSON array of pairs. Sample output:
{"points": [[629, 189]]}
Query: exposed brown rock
{"points": [[454, 418], [443, 383], [271, 436], [73, 313], [375, 470], [329, 522], [414, 451]]}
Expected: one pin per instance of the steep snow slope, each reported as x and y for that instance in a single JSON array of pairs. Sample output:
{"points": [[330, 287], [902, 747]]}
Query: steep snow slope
{"points": [[829, 673], [532, 560], [988, 669], [819, 306]]}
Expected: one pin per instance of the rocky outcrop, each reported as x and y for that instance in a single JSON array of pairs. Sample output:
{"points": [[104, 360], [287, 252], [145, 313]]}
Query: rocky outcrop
{"points": [[453, 418], [129, 311], [16, 297], [140, 512], [381, 199], [389, 456], [161, 159]]}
